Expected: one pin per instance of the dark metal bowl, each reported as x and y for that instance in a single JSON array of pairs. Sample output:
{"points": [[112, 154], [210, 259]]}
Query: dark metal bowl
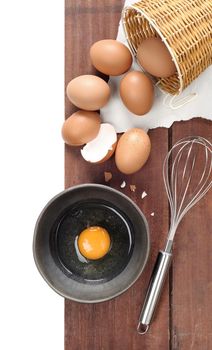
{"points": [[55, 243]]}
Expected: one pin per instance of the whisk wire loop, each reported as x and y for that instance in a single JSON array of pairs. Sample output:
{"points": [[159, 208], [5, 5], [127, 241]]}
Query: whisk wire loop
{"points": [[187, 176]]}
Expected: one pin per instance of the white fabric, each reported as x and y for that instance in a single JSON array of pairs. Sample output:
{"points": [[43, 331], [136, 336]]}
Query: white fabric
{"points": [[161, 114]]}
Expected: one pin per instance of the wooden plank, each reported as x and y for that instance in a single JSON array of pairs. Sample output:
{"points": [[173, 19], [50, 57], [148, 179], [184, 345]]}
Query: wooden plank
{"points": [[112, 325], [192, 273]]}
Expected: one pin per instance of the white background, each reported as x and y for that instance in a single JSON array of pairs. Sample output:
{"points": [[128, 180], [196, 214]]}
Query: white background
{"points": [[31, 115]]}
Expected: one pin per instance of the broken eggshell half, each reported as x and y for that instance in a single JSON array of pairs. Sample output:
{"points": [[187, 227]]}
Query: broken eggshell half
{"points": [[102, 147]]}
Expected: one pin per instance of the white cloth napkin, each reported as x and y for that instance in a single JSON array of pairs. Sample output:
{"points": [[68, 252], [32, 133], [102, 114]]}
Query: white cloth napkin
{"points": [[162, 113]]}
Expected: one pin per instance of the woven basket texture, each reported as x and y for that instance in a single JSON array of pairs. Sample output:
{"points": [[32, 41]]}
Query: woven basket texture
{"points": [[185, 26]]}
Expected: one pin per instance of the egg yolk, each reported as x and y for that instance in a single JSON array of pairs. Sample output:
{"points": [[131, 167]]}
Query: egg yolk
{"points": [[94, 242]]}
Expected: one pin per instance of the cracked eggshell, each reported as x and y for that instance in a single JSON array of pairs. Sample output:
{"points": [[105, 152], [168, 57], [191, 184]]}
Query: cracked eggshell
{"points": [[88, 92], [81, 127], [133, 150], [102, 147]]}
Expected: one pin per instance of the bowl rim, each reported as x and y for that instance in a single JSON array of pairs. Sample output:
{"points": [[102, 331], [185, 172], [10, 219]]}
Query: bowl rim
{"points": [[70, 189]]}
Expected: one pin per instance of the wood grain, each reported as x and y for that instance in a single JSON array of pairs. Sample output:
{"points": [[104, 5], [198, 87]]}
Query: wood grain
{"points": [[183, 319], [112, 325]]}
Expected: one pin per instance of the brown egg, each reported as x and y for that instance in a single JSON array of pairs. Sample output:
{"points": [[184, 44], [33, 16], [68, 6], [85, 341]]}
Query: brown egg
{"points": [[132, 151], [110, 57], [81, 127], [155, 58], [137, 92], [88, 92]]}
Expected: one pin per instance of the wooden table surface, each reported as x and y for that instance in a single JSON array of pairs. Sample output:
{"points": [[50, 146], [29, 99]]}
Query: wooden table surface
{"points": [[184, 317]]}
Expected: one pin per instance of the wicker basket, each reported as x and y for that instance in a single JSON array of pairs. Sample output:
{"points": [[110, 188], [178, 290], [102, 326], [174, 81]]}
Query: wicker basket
{"points": [[185, 26]]}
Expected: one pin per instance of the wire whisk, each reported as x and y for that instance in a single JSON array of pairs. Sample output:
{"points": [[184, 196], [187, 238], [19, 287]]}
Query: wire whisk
{"points": [[187, 174]]}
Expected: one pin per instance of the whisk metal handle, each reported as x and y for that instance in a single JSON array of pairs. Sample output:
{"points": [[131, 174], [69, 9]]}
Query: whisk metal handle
{"points": [[154, 290]]}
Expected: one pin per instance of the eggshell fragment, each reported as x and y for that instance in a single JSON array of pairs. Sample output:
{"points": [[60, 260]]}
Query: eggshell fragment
{"points": [[108, 176], [123, 184], [88, 92], [102, 147], [133, 150], [81, 127], [137, 92], [144, 194], [155, 58], [132, 188], [110, 57]]}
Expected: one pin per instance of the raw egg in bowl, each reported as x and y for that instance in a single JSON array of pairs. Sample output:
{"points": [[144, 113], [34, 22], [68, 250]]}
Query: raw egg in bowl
{"points": [[94, 242], [91, 243]]}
